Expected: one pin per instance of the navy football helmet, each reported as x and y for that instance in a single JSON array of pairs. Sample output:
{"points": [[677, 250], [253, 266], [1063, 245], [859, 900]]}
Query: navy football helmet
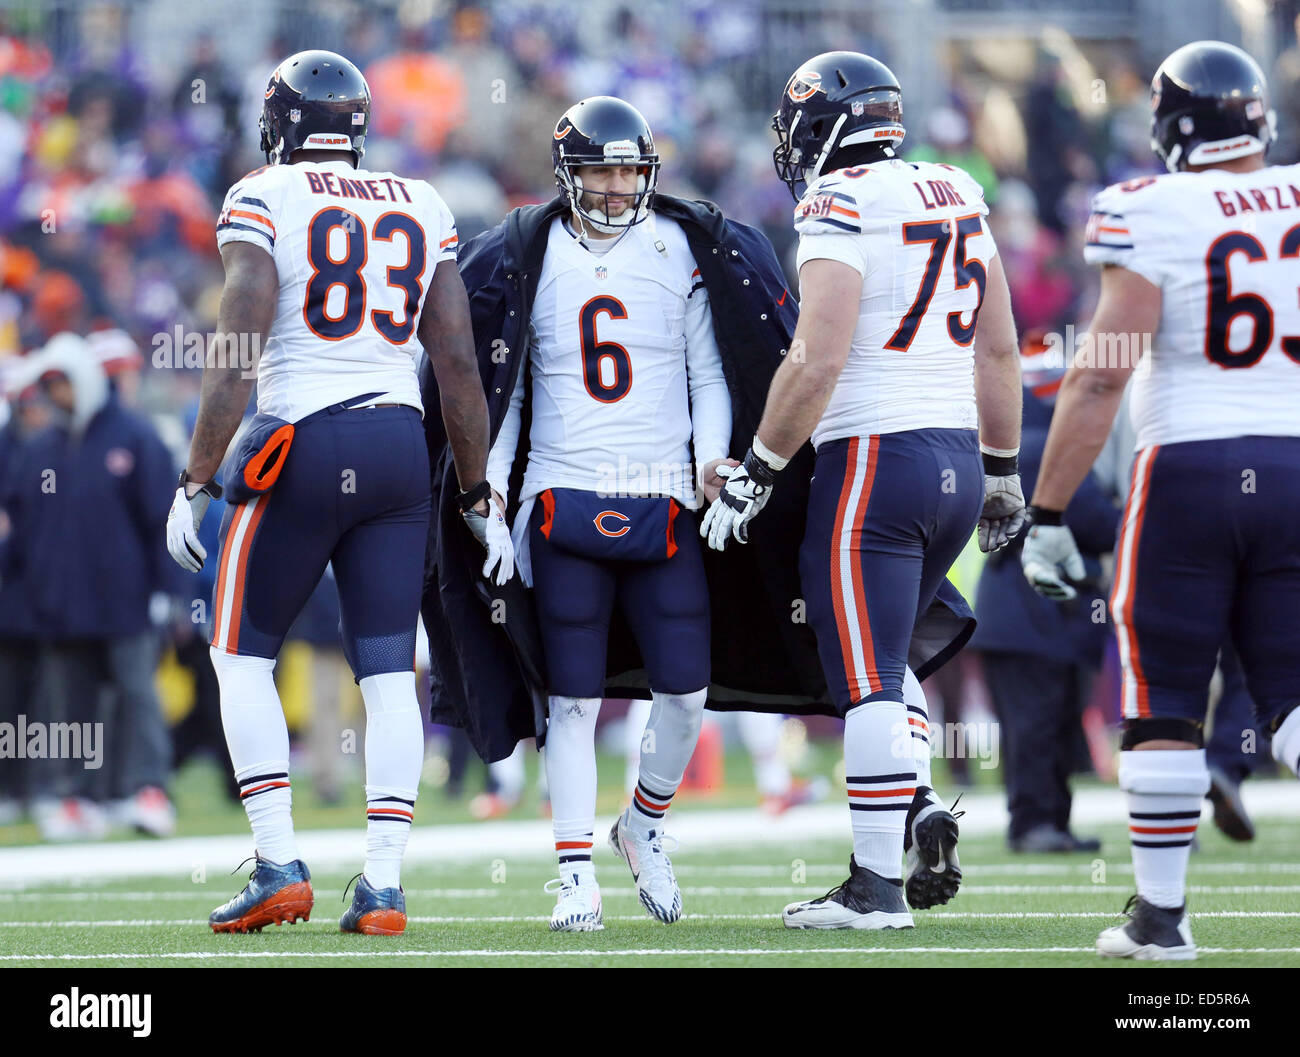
{"points": [[603, 130], [1209, 102], [835, 100], [315, 100]]}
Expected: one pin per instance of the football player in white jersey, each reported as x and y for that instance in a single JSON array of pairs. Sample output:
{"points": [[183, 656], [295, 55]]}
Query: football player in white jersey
{"points": [[905, 372], [344, 274], [1198, 293], [628, 406]]}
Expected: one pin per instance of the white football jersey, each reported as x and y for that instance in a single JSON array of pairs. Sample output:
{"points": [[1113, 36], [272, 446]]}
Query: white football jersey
{"points": [[916, 233], [355, 252], [626, 372], [1223, 248]]}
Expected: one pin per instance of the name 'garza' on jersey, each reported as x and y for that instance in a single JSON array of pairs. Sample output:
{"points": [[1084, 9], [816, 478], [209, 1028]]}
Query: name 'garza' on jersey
{"points": [[1222, 248], [915, 231], [355, 252]]}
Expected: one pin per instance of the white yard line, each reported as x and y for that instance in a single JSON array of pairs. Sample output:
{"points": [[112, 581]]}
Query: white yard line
{"points": [[214, 892], [507, 919], [513, 841], [768, 952]]}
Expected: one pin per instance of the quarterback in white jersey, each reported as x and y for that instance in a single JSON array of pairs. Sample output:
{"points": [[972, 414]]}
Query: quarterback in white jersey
{"points": [[1199, 279], [628, 407], [904, 372], [341, 275]]}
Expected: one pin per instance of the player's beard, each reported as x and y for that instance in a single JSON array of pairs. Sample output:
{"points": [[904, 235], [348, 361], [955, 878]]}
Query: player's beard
{"points": [[594, 202]]}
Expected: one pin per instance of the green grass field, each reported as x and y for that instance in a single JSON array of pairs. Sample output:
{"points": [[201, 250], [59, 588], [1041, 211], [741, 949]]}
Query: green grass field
{"points": [[1012, 911]]}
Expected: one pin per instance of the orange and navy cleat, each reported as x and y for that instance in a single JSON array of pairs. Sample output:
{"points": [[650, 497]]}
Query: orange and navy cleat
{"points": [[274, 894], [374, 912]]}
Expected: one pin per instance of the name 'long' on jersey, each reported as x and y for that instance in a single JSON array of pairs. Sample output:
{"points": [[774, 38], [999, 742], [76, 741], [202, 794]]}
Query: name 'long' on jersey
{"points": [[1222, 247], [916, 233], [355, 253]]}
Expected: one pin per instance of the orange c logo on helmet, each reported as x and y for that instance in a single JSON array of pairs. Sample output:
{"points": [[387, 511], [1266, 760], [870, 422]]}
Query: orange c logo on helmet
{"points": [[804, 85], [560, 133], [614, 514], [270, 88]]}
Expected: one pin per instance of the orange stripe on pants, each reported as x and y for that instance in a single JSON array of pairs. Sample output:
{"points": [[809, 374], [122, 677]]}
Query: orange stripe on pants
{"points": [[1126, 573], [241, 570], [220, 596], [837, 587], [855, 546]]}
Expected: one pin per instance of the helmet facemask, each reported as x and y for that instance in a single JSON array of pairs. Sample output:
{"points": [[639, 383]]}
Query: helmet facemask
{"points": [[569, 177]]}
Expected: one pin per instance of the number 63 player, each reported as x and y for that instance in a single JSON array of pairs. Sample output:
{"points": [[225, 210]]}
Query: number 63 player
{"points": [[1206, 259]]}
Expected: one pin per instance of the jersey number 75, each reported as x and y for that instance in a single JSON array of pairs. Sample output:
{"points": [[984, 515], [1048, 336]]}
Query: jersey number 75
{"points": [[938, 233], [327, 272]]}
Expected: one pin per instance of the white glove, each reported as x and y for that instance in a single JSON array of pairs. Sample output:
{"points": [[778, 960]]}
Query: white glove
{"points": [[1003, 515], [1049, 549], [491, 530], [747, 489], [183, 522]]}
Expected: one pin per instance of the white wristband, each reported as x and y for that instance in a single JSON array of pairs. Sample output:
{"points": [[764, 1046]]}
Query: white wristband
{"points": [[768, 455], [999, 453]]}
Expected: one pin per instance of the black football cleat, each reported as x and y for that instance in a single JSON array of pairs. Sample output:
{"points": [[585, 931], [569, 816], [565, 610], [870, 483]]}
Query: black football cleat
{"points": [[1151, 934], [865, 901], [932, 873]]}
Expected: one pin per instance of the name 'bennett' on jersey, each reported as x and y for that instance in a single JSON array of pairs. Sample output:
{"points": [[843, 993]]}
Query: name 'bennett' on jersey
{"points": [[326, 183]]}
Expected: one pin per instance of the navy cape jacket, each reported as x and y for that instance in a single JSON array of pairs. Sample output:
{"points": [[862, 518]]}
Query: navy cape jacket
{"points": [[487, 665]]}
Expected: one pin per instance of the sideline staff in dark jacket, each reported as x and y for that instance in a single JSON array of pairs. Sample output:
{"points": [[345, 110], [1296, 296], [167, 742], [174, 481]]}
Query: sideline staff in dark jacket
{"points": [[1039, 655], [84, 502]]}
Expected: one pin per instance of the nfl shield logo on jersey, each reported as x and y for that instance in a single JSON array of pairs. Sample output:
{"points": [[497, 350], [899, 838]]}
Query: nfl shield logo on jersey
{"points": [[602, 272], [858, 107]]}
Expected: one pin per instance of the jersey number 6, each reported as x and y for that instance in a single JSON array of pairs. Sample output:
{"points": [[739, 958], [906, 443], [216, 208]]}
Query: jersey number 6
{"points": [[328, 272], [595, 351], [938, 233]]}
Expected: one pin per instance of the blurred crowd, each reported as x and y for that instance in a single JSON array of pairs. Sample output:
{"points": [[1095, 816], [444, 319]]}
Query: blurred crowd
{"points": [[111, 176]]}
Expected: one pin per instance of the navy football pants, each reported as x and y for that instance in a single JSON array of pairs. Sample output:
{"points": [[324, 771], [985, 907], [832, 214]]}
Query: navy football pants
{"points": [[1209, 549], [887, 517], [355, 491], [666, 604]]}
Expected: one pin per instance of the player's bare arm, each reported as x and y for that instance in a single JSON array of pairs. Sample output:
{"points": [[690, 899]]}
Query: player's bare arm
{"points": [[997, 365], [802, 387], [998, 401], [248, 302], [1091, 393], [1085, 412], [447, 335]]}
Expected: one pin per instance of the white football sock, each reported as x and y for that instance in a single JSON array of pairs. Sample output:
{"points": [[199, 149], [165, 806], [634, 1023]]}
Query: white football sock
{"points": [[1286, 743], [1165, 789], [881, 777], [761, 733], [666, 749], [258, 739], [638, 715], [918, 720], [571, 777], [394, 758]]}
